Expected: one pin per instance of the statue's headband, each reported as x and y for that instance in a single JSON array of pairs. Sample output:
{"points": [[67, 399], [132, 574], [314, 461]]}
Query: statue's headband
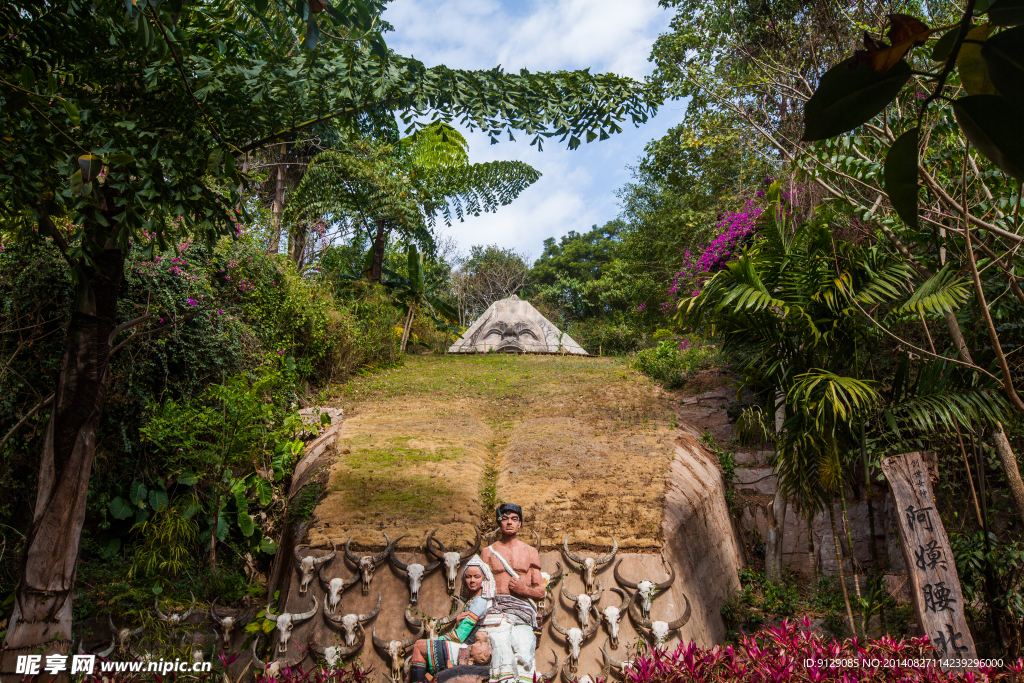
{"points": [[505, 508]]}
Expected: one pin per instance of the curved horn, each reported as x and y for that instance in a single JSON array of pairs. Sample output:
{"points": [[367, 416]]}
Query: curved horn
{"points": [[106, 653], [605, 559], [113, 629], [156, 604], [595, 623], [411, 620], [296, 550], [136, 631], [256, 661], [349, 651], [456, 610], [609, 661], [474, 550], [191, 608], [546, 612], [550, 675], [431, 551], [268, 615], [634, 613], [399, 565], [336, 618], [409, 642], [681, 621], [567, 595], [377, 642], [567, 678], [213, 610], [382, 555], [431, 567], [536, 536], [570, 554], [668, 582], [302, 616], [555, 625], [328, 557], [625, 598], [372, 613], [622, 581], [349, 555]]}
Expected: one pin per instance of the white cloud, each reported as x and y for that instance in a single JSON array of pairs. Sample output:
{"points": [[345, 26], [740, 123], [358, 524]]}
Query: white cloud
{"points": [[576, 190]]}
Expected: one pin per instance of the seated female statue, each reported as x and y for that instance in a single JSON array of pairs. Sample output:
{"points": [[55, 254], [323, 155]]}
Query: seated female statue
{"points": [[466, 643]]}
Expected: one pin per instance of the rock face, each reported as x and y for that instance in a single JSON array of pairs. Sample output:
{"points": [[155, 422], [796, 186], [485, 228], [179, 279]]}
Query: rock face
{"points": [[514, 326]]}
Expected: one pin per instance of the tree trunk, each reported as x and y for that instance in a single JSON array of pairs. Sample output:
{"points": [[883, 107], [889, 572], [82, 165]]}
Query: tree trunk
{"points": [[842, 572], [379, 242], [853, 564], [41, 620], [277, 207], [810, 550], [1002, 444], [298, 238], [408, 326], [773, 546]]}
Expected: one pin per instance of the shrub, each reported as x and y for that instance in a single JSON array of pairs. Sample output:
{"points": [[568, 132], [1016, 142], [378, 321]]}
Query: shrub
{"points": [[673, 362], [791, 652]]}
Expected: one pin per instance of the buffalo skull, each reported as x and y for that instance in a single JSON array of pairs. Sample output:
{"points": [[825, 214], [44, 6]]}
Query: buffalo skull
{"points": [[569, 678], [177, 617], [271, 670], [368, 563], [334, 588], [227, 624], [584, 603], [574, 638], [647, 590], [308, 564], [432, 625], [588, 565], [335, 654], [657, 632], [451, 560], [414, 573], [352, 624], [612, 615], [121, 637], [395, 651], [286, 622], [612, 663]]}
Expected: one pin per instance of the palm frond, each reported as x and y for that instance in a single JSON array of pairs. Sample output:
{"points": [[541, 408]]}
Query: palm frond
{"points": [[946, 290]]}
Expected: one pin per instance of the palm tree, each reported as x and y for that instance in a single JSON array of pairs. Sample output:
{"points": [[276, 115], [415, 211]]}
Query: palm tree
{"points": [[412, 291], [788, 308]]}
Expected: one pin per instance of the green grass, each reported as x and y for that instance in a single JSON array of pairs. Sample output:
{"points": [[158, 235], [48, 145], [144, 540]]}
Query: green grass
{"points": [[408, 496], [374, 456]]}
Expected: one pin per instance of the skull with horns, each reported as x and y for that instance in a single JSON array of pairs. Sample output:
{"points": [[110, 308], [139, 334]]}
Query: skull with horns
{"points": [[368, 563], [647, 590], [177, 617], [287, 621], [574, 638], [227, 624], [584, 603], [308, 564], [414, 573], [434, 625], [352, 624], [451, 560], [334, 588], [588, 565], [612, 616], [395, 651], [657, 632]]}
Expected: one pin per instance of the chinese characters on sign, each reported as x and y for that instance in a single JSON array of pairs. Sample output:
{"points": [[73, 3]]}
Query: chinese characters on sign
{"points": [[30, 665], [938, 599]]}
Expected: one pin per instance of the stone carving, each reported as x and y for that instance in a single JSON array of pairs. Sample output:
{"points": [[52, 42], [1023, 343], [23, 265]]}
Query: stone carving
{"points": [[647, 590], [514, 326], [588, 565]]}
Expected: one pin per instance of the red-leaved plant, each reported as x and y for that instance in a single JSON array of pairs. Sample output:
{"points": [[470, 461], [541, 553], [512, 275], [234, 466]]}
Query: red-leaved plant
{"points": [[792, 652]]}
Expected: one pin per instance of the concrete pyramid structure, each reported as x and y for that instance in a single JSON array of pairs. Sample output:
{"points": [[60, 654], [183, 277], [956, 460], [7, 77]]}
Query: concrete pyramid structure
{"points": [[514, 326]]}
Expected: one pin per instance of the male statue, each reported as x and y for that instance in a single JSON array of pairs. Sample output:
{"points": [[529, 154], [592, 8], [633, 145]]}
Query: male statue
{"points": [[511, 623]]}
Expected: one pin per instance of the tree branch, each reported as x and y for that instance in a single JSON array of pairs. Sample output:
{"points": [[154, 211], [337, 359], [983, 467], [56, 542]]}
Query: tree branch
{"points": [[45, 402]]}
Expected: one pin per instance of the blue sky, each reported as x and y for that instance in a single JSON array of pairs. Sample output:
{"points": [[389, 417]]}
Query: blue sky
{"points": [[577, 188]]}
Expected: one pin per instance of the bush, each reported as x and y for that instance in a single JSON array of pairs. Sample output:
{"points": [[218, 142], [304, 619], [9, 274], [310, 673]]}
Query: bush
{"points": [[791, 652], [673, 362], [608, 337]]}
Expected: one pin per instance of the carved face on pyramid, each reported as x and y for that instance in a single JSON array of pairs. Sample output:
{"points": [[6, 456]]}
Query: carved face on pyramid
{"points": [[514, 326], [513, 334]]}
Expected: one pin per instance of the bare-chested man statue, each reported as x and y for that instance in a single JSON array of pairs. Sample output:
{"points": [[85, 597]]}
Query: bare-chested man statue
{"points": [[511, 622]]}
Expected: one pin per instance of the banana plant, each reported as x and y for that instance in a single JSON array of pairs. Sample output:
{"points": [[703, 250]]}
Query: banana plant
{"points": [[411, 290]]}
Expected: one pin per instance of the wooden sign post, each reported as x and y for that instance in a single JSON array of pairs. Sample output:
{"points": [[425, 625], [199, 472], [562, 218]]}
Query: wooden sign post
{"points": [[934, 583]]}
